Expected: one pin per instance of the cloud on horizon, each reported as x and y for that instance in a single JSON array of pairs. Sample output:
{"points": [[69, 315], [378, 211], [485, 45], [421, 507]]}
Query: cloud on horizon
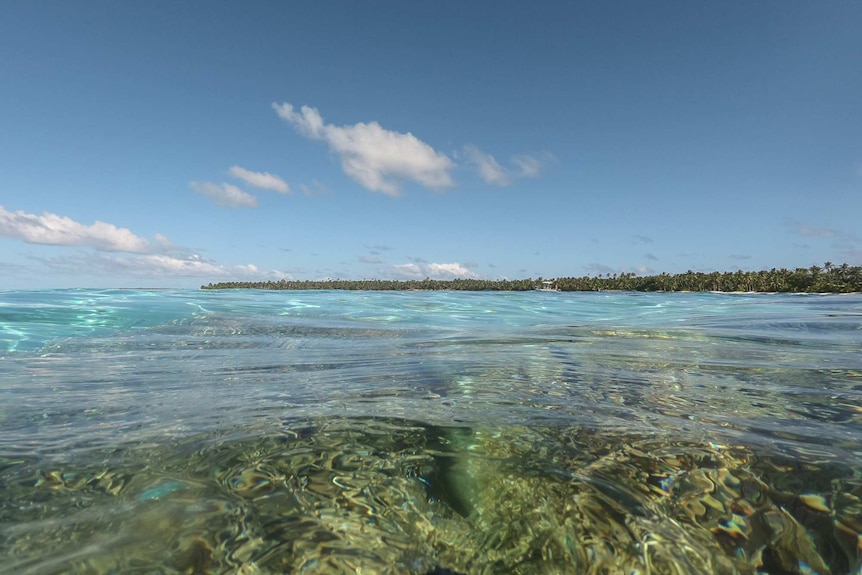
{"points": [[262, 180], [155, 266], [117, 251], [159, 265], [225, 195], [378, 159], [813, 232], [437, 271], [53, 229], [847, 244]]}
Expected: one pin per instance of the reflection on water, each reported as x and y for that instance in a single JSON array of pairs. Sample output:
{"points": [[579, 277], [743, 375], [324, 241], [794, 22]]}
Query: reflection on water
{"points": [[431, 433]]}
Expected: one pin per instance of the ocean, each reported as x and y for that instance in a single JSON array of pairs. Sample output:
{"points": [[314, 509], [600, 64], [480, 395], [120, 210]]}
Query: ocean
{"points": [[256, 432]]}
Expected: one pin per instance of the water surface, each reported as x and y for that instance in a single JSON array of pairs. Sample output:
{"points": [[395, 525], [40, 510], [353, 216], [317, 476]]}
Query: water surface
{"points": [[429, 432]]}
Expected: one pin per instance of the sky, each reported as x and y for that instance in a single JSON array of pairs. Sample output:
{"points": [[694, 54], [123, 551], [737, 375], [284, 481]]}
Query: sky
{"points": [[174, 144]]}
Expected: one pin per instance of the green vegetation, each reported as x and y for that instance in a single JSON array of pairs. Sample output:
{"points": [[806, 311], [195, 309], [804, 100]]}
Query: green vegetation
{"points": [[816, 279]]}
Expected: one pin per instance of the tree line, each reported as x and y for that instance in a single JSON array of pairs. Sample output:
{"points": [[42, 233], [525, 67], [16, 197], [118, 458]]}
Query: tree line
{"points": [[828, 278]]}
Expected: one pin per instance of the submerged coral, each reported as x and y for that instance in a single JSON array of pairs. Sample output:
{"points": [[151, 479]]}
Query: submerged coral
{"points": [[392, 496]]}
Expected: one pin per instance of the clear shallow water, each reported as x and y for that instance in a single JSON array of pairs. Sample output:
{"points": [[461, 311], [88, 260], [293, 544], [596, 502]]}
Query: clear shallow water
{"points": [[429, 432]]}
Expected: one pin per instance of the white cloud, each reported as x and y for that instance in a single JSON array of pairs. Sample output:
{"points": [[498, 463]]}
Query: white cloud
{"points": [[164, 243], [63, 231], [158, 259], [165, 265], [307, 121], [225, 195], [490, 171], [262, 180], [450, 270], [154, 266], [527, 166], [531, 165], [191, 266], [523, 166], [378, 159], [438, 271]]}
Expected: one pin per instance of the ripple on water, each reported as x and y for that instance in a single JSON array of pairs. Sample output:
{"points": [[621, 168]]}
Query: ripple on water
{"points": [[429, 433]]}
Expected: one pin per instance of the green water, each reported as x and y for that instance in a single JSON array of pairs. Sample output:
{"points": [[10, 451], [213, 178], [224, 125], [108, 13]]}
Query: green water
{"points": [[244, 433]]}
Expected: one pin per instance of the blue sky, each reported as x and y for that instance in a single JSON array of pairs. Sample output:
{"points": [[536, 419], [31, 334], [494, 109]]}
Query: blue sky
{"points": [[178, 143]]}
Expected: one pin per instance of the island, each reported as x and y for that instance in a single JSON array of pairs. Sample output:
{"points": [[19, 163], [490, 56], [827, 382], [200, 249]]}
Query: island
{"points": [[828, 278]]}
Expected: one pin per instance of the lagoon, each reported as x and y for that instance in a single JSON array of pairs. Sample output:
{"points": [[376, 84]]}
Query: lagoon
{"points": [[244, 431]]}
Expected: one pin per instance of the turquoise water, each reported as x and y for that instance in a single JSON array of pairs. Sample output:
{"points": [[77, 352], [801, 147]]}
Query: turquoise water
{"points": [[429, 432]]}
